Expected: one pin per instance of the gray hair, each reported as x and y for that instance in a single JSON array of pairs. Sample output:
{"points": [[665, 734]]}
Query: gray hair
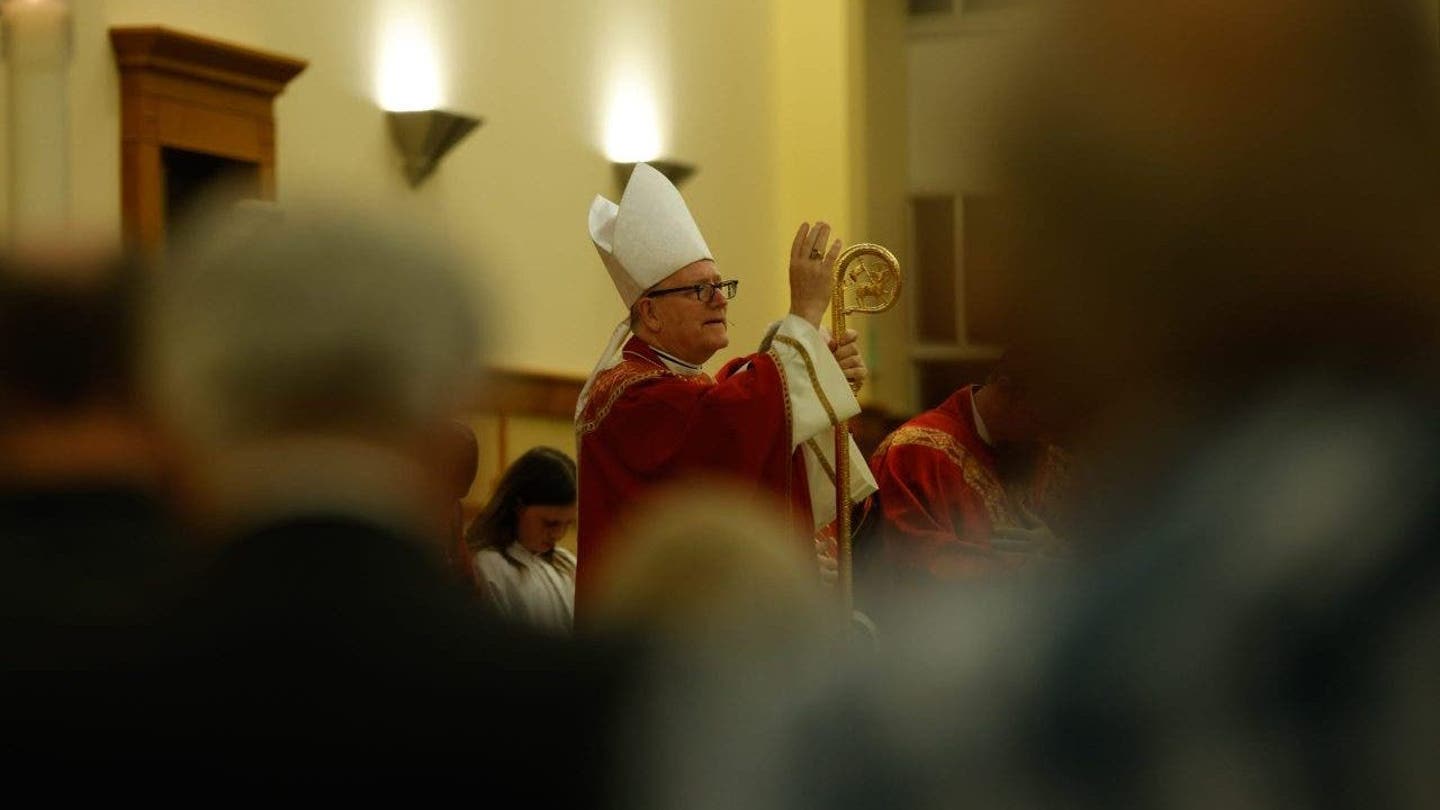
{"points": [[297, 322]]}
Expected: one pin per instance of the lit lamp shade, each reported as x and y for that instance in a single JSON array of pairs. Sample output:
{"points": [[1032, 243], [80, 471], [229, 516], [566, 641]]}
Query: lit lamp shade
{"points": [[425, 136]]}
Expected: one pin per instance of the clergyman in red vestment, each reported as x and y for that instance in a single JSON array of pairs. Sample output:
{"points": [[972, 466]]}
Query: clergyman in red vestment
{"points": [[949, 508], [650, 415]]}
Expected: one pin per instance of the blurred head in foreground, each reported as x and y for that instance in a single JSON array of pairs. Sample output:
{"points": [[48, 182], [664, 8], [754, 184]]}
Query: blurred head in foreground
{"points": [[713, 584], [709, 564], [1211, 195], [1224, 270], [459, 460], [88, 555], [68, 330], [307, 353]]}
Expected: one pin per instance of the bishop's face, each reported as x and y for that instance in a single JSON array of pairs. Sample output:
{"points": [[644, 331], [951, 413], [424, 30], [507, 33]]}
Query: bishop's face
{"points": [[691, 329]]}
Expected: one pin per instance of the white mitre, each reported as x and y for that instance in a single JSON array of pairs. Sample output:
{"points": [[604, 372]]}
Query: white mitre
{"points": [[648, 236], [644, 239]]}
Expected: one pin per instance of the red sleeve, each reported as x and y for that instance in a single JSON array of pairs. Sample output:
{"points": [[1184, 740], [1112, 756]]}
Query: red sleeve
{"points": [[936, 525]]}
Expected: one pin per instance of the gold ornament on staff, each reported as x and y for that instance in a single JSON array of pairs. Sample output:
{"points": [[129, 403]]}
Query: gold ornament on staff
{"points": [[867, 280]]}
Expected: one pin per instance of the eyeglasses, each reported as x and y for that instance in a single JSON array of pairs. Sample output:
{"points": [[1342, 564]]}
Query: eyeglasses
{"points": [[704, 291]]}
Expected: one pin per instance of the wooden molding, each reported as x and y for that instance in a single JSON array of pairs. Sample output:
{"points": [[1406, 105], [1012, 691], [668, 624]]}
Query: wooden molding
{"points": [[522, 393], [164, 50], [202, 95]]}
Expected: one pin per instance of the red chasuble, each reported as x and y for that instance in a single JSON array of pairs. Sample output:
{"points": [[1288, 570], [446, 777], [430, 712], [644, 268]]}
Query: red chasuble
{"points": [[645, 426], [941, 496]]}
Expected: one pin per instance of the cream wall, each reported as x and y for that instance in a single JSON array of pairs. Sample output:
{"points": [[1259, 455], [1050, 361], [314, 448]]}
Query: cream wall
{"points": [[841, 149], [766, 97], [814, 129], [879, 151], [511, 199], [758, 93]]}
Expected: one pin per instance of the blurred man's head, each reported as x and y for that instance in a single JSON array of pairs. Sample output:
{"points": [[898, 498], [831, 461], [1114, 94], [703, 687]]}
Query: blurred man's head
{"points": [[67, 334], [710, 564], [312, 324], [68, 345], [311, 354], [1214, 194], [1014, 410]]}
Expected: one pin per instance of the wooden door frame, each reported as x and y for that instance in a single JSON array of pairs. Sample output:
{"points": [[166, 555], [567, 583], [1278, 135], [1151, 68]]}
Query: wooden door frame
{"points": [[190, 92]]}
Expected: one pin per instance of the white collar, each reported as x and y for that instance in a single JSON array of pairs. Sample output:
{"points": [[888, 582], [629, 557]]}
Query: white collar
{"points": [[980, 428], [525, 556], [518, 550], [675, 364]]}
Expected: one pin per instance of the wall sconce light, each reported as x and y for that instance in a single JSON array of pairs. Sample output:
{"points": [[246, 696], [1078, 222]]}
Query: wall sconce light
{"points": [[424, 136], [674, 171]]}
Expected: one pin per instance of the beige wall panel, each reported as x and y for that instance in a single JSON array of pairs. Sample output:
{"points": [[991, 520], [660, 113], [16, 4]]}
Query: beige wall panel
{"points": [[813, 169], [525, 432], [487, 429]]}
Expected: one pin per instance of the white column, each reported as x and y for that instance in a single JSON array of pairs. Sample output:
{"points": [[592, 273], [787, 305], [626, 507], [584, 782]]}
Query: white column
{"points": [[36, 39]]}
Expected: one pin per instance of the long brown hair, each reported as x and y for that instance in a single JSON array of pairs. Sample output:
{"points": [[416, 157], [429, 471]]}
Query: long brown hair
{"points": [[543, 476]]}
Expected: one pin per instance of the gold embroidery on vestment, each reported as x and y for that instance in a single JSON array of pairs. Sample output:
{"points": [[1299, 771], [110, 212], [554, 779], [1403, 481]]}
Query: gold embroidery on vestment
{"points": [[824, 464], [618, 380], [789, 425], [977, 476], [814, 378]]}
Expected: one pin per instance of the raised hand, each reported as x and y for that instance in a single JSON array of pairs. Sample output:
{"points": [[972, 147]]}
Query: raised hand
{"points": [[811, 266]]}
